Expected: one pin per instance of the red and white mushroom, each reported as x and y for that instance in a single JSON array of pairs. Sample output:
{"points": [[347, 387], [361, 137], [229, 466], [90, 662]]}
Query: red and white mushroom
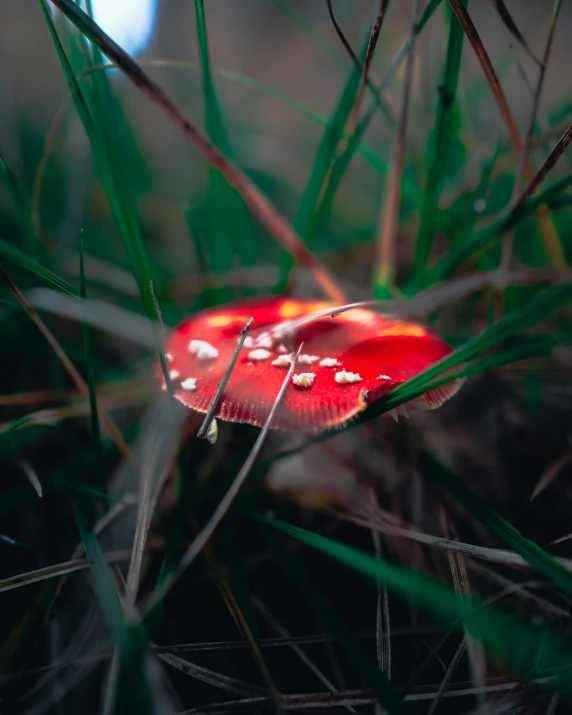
{"points": [[347, 362]]}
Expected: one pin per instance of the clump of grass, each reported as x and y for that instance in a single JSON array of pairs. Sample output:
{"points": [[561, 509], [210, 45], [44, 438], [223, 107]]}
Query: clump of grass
{"points": [[148, 571]]}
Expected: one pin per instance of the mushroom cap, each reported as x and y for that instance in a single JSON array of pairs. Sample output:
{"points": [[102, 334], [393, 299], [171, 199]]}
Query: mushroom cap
{"points": [[346, 363]]}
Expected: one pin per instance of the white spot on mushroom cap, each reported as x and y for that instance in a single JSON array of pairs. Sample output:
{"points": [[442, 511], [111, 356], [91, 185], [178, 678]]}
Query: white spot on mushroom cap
{"points": [[168, 357], [174, 374], [329, 362], [283, 361], [258, 355], [264, 340], [304, 379], [203, 350], [283, 349], [346, 378], [307, 359], [189, 384], [248, 342], [383, 377]]}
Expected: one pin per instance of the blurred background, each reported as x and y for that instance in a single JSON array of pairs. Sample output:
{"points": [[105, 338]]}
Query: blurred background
{"points": [[131, 199]]}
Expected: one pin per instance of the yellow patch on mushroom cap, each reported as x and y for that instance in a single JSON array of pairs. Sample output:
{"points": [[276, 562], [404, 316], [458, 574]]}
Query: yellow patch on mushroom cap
{"points": [[403, 330], [223, 321]]}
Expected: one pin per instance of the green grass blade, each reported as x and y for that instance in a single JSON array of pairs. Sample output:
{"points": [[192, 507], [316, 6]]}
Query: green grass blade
{"points": [[227, 224], [362, 661], [14, 255], [534, 312], [304, 221], [106, 163], [485, 237], [22, 208], [536, 556], [541, 346], [103, 582], [439, 148], [131, 641], [302, 23], [511, 638], [341, 163]]}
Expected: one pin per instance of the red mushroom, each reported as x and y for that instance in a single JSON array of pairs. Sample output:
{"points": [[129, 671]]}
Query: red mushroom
{"points": [[346, 363]]}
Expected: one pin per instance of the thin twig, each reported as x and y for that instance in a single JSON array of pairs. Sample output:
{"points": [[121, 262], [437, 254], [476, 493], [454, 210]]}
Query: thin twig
{"points": [[353, 697], [507, 20], [364, 69], [477, 44], [204, 428], [550, 161], [273, 621], [205, 675], [499, 556], [552, 243], [553, 470], [375, 30], [540, 84]]}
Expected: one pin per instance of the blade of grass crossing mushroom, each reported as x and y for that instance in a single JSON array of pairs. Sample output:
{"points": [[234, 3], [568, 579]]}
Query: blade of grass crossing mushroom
{"points": [[384, 268], [206, 424], [548, 303], [541, 346], [88, 357], [438, 152], [255, 200], [535, 311], [208, 530], [121, 204], [365, 665], [503, 633]]}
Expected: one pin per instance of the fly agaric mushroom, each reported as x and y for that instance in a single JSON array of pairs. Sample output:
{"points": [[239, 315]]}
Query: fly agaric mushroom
{"points": [[347, 362]]}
